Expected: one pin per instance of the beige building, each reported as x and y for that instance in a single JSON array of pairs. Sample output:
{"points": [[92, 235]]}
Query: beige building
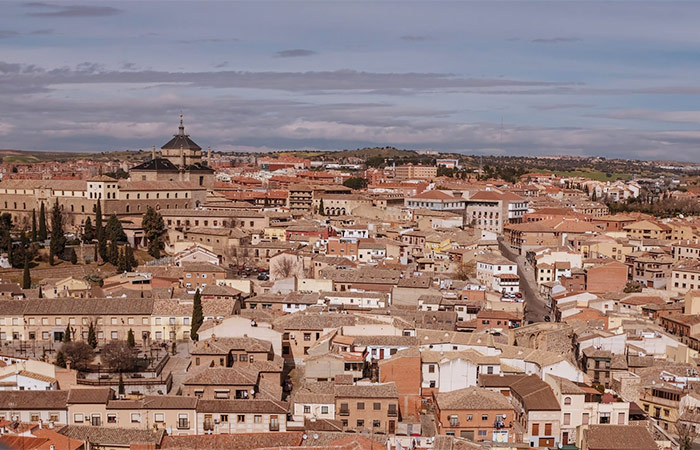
{"points": [[411, 172]]}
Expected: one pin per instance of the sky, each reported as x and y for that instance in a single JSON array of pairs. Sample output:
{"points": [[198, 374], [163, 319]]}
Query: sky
{"points": [[498, 78]]}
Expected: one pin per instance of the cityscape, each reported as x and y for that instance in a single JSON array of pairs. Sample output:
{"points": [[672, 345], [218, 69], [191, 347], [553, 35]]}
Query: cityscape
{"points": [[277, 252]]}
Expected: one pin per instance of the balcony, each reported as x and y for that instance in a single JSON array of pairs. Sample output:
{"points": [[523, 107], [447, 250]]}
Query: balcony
{"points": [[274, 426], [183, 424], [393, 413], [344, 412]]}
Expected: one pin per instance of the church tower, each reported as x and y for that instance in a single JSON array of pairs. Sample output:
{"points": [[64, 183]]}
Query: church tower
{"points": [[182, 151]]}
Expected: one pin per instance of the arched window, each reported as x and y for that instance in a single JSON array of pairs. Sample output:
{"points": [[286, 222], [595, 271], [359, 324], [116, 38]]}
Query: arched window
{"points": [[567, 400]]}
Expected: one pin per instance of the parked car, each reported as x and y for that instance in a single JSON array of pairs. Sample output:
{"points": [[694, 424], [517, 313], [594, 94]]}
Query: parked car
{"points": [[519, 295], [547, 319]]}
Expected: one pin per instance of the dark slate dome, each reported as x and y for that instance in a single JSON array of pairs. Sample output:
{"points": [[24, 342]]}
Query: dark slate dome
{"points": [[181, 140]]}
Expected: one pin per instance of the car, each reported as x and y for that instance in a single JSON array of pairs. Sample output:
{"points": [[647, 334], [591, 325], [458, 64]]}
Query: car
{"points": [[547, 319], [263, 277], [519, 295]]}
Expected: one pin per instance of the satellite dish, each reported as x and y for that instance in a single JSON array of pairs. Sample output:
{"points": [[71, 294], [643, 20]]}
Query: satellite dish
{"points": [[304, 436], [315, 435]]}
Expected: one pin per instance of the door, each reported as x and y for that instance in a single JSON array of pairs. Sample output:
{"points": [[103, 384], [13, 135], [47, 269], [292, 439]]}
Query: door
{"points": [[468, 434], [565, 438], [58, 336], [547, 442], [392, 427]]}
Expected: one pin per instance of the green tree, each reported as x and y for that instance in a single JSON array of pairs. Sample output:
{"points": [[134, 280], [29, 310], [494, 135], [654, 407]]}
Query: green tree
{"points": [[34, 230], [130, 339], [58, 237], [67, 335], [5, 234], [42, 234], [20, 252], [26, 277], [113, 253], [114, 230], [119, 356], [321, 208], [60, 359], [197, 316], [356, 183], [73, 256], [120, 387], [154, 229], [92, 335], [100, 232], [88, 231], [131, 262], [121, 261]]}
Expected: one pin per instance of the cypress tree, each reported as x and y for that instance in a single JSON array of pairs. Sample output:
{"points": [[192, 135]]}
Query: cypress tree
{"points": [[73, 256], [42, 234], [92, 336], [67, 335], [58, 238], [197, 316], [26, 277], [113, 253], [122, 265], [121, 385], [321, 209], [101, 239], [60, 360], [88, 231], [34, 230], [130, 338]]}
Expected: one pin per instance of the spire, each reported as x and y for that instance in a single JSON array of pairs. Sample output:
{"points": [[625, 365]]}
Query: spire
{"points": [[153, 154], [182, 126]]}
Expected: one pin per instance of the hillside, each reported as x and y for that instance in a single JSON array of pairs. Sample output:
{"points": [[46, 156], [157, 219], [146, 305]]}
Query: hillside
{"points": [[375, 152]]}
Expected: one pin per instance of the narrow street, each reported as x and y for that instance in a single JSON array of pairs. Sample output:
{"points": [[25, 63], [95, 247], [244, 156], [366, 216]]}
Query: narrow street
{"points": [[535, 305]]}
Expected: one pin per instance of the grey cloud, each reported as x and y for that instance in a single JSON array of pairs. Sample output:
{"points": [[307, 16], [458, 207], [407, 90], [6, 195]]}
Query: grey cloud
{"points": [[339, 80], [293, 53], [414, 38], [221, 65], [5, 34], [556, 40], [53, 10], [206, 41], [43, 31], [128, 66], [562, 106]]}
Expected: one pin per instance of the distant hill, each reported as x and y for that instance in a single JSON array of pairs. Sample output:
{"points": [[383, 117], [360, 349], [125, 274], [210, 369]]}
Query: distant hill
{"points": [[375, 152]]}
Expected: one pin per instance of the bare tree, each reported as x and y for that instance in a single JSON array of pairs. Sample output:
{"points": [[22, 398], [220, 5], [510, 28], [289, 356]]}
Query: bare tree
{"points": [[78, 353], [466, 270], [283, 267], [686, 435], [119, 356]]}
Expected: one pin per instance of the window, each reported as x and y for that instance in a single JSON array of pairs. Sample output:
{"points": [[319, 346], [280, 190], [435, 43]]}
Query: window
{"points": [[535, 429], [78, 418], [484, 417], [115, 335], [567, 419], [376, 423], [224, 418], [324, 410], [135, 417], [547, 429], [96, 420], [454, 421], [307, 409], [183, 421], [223, 395], [360, 405], [159, 417], [567, 400], [257, 418], [431, 368], [377, 406], [240, 418], [360, 423], [34, 417], [469, 417], [620, 418], [483, 433], [111, 418]]}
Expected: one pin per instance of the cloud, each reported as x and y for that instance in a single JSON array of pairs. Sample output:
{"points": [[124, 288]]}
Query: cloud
{"points": [[5, 34], [128, 66], [43, 31], [414, 38], [692, 116], [53, 10], [562, 106], [221, 65], [27, 78], [556, 40], [293, 53], [206, 41]]}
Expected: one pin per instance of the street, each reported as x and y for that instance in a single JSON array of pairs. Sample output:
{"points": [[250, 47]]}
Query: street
{"points": [[535, 305]]}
